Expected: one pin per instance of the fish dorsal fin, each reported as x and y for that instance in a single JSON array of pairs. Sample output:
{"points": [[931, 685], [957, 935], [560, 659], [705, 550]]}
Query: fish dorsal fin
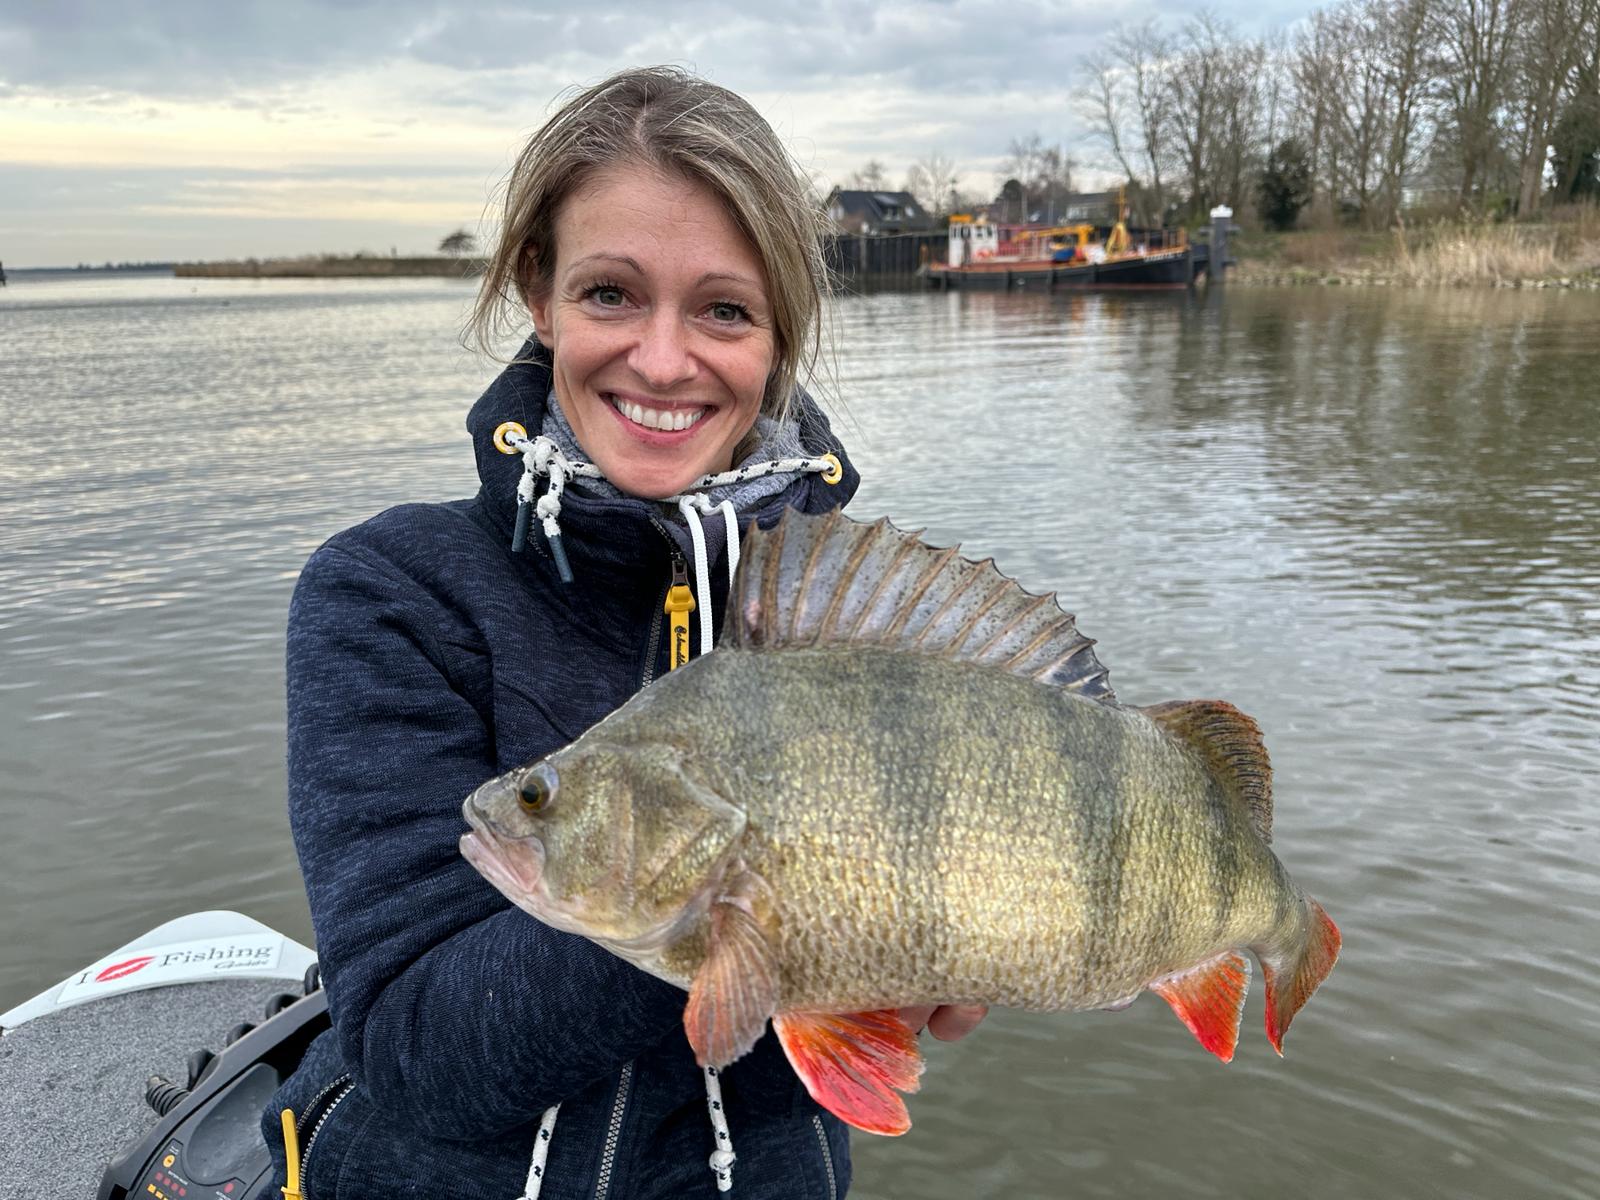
{"points": [[1230, 745], [830, 581]]}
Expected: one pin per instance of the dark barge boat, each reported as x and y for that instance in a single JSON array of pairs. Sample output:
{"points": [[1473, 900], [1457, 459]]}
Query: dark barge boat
{"points": [[1002, 256]]}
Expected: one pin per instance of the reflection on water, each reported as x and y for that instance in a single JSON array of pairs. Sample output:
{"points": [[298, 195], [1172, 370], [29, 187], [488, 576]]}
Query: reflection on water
{"points": [[1367, 518]]}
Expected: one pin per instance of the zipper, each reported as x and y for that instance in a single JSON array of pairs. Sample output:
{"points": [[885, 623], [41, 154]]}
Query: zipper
{"points": [[653, 646], [343, 1086], [608, 1156], [827, 1156], [300, 1125]]}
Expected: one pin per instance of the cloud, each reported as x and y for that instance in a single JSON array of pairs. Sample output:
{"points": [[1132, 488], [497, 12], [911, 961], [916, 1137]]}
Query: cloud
{"points": [[309, 101], [192, 48]]}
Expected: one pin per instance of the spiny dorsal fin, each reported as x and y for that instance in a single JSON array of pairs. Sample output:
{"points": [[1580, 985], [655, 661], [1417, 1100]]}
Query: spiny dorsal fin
{"points": [[828, 580], [1230, 744]]}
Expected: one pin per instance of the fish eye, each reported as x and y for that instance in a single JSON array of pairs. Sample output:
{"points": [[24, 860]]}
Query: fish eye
{"points": [[533, 793]]}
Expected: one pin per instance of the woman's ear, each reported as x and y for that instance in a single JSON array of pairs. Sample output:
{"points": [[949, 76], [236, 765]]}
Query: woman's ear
{"points": [[536, 295], [539, 310]]}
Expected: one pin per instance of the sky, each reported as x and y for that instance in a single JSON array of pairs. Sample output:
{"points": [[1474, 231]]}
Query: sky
{"points": [[181, 130]]}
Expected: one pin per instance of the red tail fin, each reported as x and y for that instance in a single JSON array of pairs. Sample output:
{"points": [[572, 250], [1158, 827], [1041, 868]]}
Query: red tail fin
{"points": [[1290, 981]]}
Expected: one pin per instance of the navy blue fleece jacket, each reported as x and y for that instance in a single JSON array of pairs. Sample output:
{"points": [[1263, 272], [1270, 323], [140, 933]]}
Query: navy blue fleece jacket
{"points": [[424, 657]]}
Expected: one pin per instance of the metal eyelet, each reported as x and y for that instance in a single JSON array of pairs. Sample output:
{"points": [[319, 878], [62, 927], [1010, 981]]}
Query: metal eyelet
{"points": [[506, 427], [835, 471]]}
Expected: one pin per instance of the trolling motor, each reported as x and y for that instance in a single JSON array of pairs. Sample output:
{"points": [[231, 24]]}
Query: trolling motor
{"points": [[207, 1145]]}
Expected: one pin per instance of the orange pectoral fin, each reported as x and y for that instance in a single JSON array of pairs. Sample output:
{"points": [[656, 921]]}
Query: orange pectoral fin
{"points": [[1209, 999], [854, 1063], [736, 988]]}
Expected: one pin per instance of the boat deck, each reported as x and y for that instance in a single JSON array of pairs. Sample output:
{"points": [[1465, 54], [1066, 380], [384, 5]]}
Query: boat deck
{"points": [[72, 1084]]}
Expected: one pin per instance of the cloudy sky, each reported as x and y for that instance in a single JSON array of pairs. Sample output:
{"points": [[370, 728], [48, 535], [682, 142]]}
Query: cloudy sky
{"points": [[188, 129]]}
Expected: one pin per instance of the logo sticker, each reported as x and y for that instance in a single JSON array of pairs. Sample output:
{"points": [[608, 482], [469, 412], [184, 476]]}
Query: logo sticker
{"points": [[127, 967], [251, 954]]}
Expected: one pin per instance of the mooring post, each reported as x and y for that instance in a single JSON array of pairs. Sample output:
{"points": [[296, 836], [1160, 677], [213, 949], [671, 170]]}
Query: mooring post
{"points": [[1219, 261]]}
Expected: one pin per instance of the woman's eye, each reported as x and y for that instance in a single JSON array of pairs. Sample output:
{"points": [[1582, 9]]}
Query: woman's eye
{"points": [[728, 312], [606, 296]]}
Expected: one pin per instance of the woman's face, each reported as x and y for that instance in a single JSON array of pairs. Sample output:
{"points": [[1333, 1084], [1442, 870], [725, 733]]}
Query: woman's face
{"points": [[659, 323]]}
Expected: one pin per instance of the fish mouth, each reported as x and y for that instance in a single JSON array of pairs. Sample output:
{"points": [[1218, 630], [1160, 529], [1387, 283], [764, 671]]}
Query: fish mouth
{"points": [[514, 865]]}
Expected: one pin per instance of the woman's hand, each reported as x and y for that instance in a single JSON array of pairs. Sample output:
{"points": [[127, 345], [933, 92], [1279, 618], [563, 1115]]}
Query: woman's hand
{"points": [[947, 1022]]}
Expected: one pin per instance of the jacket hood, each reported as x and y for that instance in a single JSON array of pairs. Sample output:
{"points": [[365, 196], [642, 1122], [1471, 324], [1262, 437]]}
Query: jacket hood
{"points": [[521, 393]]}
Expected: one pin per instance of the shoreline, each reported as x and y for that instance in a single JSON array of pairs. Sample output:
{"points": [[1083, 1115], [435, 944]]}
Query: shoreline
{"points": [[354, 267], [1549, 256], [1247, 276]]}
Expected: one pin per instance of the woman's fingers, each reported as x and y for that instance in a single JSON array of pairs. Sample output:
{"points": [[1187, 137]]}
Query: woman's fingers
{"points": [[947, 1022], [952, 1022], [917, 1016]]}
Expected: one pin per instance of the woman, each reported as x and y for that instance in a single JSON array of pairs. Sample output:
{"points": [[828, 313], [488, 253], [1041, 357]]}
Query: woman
{"points": [[667, 254]]}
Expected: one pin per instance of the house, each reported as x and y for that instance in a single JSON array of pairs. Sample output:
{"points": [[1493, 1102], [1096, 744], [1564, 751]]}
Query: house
{"points": [[1426, 190], [878, 212]]}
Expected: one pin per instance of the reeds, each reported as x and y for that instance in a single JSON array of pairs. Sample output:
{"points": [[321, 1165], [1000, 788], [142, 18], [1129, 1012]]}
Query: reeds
{"points": [[1453, 253], [1456, 254]]}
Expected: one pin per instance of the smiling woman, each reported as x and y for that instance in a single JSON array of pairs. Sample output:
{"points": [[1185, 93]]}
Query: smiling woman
{"points": [[682, 129], [657, 315], [665, 251]]}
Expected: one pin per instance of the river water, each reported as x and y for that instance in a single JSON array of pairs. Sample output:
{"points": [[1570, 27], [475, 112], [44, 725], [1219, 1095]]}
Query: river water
{"points": [[1369, 518]]}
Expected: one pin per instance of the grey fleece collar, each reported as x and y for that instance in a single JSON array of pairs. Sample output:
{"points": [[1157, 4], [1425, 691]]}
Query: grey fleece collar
{"points": [[773, 440]]}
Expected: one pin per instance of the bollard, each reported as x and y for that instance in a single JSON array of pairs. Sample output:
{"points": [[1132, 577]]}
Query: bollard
{"points": [[1218, 261]]}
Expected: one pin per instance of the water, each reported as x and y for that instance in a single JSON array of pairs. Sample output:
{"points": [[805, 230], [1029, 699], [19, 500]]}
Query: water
{"points": [[1370, 519]]}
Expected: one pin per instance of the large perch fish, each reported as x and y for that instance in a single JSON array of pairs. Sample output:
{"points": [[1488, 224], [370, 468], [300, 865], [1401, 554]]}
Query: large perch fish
{"points": [[903, 780]]}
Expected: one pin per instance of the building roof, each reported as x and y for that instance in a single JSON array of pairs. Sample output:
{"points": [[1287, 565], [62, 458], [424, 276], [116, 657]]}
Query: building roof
{"points": [[878, 212]]}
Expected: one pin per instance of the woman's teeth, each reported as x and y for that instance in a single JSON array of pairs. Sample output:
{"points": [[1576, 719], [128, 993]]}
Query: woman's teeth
{"points": [[668, 419]]}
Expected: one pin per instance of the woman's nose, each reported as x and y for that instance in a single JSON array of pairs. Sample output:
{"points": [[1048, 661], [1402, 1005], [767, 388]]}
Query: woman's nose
{"points": [[662, 357]]}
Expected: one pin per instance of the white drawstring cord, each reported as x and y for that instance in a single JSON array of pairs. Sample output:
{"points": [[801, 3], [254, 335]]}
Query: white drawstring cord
{"points": [[691, 507], [723, 1157], [541, 1151], [702, 569], [541, 456]]}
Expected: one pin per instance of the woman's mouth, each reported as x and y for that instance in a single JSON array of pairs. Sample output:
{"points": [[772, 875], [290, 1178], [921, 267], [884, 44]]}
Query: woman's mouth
{"points": [[658, 420]]}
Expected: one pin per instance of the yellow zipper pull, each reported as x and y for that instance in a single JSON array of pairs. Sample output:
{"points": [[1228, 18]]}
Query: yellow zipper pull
{"points": [[680, 603], [291, 1151]]}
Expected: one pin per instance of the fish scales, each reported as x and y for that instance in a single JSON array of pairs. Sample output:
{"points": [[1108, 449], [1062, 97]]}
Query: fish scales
{"points": [[957, 834]]}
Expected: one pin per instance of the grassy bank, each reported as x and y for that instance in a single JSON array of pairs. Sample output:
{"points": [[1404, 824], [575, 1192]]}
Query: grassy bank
{"points": [[331, 267], [1563, 252]]}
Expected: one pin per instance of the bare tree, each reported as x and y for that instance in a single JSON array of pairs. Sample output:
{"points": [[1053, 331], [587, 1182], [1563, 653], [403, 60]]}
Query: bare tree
{"points": [[1236, 146], [1194, 87], [1317, 69], [1045, 173], [1102, 102], [934, 180], [1403, 30], [872, 177], [1549, 59], [1362, 79], [1145, 55], [1473, 73]]}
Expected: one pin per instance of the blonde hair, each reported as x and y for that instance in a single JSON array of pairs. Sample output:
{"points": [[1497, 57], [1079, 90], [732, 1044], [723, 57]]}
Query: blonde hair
{"points": [[668, 119]]}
